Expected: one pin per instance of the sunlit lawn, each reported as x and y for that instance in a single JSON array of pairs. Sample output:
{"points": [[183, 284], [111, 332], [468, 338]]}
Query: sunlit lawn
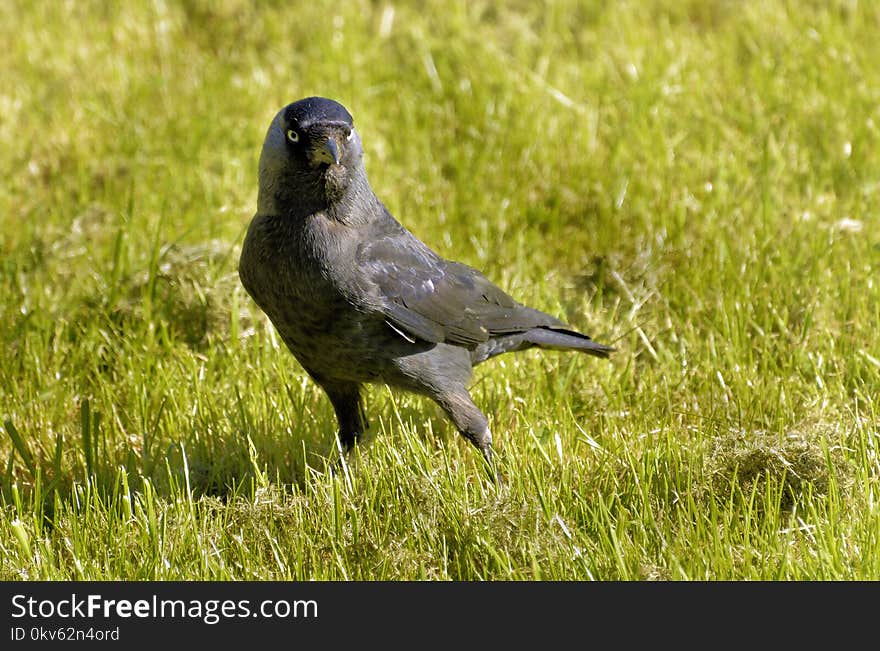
{"points": [[693, 182]]}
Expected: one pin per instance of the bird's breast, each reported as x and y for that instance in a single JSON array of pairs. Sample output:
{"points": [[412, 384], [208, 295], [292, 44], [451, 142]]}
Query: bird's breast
{"points": [[307, 283]]}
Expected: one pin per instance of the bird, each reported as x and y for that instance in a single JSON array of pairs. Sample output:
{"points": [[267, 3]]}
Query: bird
{"points": [[357, 298]]}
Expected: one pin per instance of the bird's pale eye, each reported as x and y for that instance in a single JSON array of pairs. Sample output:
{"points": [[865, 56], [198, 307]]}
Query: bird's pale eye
{"points": [[292, 135], [350, 135]]}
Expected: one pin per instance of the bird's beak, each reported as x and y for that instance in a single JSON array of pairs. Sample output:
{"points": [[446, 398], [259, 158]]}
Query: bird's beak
{"points": [[332, 148]]}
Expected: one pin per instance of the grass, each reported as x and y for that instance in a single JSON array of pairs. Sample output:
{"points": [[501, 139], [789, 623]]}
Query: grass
{"points": [[694, 182]]}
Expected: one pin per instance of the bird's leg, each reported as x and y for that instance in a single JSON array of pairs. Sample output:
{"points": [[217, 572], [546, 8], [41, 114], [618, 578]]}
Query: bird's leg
{"points": [[349, 407], [471, 423]]}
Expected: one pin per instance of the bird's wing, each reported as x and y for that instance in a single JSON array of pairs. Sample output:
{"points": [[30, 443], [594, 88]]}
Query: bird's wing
{"points": [[435, 300]]}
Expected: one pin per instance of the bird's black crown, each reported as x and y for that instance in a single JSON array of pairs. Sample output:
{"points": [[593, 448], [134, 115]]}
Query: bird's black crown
{"points": [[316, 109]]}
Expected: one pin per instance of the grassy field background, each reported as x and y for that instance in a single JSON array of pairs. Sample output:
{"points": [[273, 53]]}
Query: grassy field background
{"points": [[695, 182]]}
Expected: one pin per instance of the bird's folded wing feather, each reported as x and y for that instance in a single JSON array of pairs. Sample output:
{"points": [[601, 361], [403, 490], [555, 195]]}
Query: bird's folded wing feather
{"points": [[436, 300]]}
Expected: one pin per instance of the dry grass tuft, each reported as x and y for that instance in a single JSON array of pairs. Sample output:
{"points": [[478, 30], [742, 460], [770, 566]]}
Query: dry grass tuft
{"points": [[790, 466]]}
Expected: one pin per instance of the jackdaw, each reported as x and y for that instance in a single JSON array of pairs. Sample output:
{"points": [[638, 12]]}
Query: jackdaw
{"points": [[356, 297]]}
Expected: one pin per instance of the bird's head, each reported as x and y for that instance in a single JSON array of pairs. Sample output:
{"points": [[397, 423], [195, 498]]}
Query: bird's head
{"points": [[310, 156]]}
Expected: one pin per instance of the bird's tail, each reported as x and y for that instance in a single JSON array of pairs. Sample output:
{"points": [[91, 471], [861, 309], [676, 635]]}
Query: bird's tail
{"points": [[561, 339], [542, 337]]}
